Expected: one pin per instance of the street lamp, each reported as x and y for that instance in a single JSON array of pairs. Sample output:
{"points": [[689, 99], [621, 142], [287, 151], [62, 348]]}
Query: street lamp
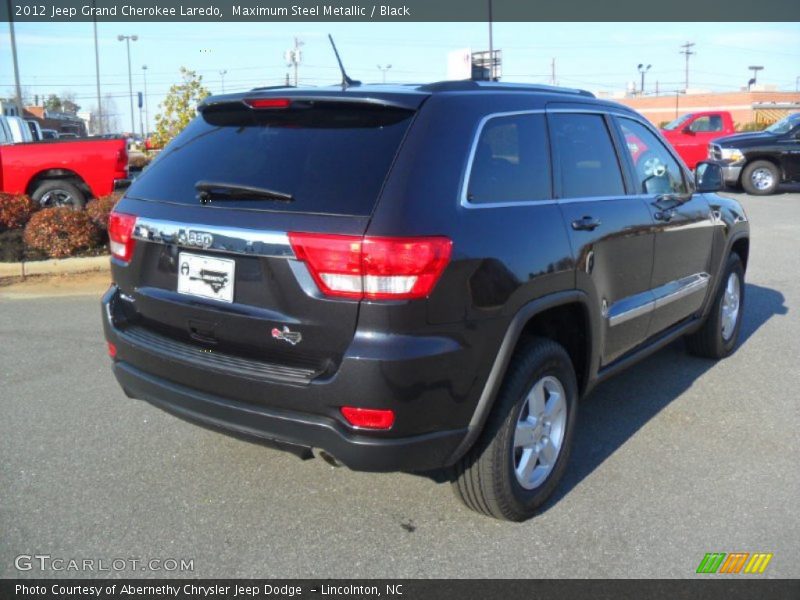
{"points": [[128, 39], [755, 70], [222, 77], [383, 70], [642, 71], [146, 116]]}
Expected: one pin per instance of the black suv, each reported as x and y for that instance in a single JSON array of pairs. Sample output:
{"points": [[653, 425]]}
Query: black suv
{"points": [[419, 278]]}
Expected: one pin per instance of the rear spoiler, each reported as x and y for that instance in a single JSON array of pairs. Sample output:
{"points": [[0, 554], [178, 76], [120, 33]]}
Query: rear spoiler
{"points": [[306, 99]]}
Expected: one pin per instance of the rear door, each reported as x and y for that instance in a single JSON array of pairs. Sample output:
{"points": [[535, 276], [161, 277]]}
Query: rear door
{"points": [[610, 231], [214, 266], [683, 222]]}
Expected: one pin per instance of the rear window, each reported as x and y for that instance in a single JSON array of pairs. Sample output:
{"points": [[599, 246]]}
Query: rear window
{"points": [[331, 158]]}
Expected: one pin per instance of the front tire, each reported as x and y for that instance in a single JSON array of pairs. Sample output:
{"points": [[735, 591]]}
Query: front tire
{"points": [[523, 451], [718, 336], [760, 178]]}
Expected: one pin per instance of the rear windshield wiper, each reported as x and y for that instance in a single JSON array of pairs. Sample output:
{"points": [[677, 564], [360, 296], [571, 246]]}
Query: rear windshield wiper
{"points": [[213, 190]]}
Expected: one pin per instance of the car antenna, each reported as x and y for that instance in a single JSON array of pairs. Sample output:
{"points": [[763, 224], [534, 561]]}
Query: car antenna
{"points": [[346, 81]]}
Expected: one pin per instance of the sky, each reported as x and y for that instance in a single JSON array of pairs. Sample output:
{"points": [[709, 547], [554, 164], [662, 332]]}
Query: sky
{"points": [[59, 57]]}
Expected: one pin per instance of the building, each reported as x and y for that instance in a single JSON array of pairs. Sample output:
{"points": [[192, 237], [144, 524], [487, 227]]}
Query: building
{"points": [[61, 122], [745, 106]]}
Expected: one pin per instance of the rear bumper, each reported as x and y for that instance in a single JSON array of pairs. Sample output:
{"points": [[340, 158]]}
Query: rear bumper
{"points": [[361, 453], [280, 409]]}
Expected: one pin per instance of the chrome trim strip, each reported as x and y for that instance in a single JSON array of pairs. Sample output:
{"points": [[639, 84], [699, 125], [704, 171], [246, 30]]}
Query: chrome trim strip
{"points": [[675, 290], [631, 313], [643, 303], [214, 238]]}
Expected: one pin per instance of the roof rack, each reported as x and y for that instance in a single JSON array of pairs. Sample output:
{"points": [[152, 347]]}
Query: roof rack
{"points": [[470, 85]]}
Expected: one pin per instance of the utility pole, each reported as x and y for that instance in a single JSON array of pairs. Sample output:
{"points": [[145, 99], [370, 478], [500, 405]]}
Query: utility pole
{"points": [[656, 87], [222, 78], [491, 45], [687, 51], [101, 128], [146, 115], [294, 56], [128, 39], [553, 72], [383, 70], [17, 87]]}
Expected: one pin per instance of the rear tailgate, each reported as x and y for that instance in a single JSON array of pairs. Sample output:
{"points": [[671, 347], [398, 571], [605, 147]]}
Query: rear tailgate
{"points": [[218, 273]]}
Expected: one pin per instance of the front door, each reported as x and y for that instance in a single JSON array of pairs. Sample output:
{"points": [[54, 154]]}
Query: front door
{"points": [[684, 227]]}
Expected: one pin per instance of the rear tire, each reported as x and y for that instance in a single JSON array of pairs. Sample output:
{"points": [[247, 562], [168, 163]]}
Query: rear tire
{"points": [[524, 448], [59, 192], [760, 178], [718, 336]]}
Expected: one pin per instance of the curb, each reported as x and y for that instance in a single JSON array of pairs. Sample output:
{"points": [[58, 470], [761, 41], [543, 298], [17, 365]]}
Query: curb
{"points": [[55, 266]]}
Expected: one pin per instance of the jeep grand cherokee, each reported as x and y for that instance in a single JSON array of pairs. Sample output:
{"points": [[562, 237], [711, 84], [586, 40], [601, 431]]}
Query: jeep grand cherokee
{"points": [[416, 277]]}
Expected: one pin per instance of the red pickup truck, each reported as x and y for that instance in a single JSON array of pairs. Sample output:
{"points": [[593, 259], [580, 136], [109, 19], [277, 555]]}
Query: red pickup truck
{"points": [[690, 134], [64, 173]]}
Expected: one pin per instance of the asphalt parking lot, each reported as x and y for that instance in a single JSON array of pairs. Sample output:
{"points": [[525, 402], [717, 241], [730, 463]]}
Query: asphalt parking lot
{"points": [[677, 457]]}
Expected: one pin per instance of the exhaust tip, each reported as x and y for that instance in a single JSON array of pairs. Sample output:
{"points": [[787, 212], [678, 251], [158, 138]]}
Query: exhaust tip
{"points": [[328, 458]]}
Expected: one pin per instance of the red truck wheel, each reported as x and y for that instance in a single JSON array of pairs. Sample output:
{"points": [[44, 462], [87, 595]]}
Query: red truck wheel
{"points": [[58, 192]]}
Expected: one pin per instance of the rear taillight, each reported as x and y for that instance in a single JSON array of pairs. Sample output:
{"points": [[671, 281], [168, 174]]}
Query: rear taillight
{"points": [[122, 160], [272, 103], [374, 268], [120, 235], [368, 418]]}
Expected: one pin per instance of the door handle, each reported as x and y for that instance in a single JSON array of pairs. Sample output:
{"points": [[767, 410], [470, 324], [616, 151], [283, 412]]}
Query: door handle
{"points": [[586, 223], [664, 215]]}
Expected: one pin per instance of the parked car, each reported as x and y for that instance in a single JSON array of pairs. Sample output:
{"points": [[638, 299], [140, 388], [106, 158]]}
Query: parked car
{"points": [[690, 134], [36, 130], [68, 136], [49, 134], [760, 161], [415, 277], [64, 173], [20, 132]]}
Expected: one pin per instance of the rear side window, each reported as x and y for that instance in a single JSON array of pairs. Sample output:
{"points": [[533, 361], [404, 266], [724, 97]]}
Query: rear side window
{"points": [[330, 159], [511, 161], [587, 162]]}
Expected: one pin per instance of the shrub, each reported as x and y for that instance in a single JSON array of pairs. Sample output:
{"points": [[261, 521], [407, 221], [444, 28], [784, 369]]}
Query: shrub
{"points": [[99, 209], [751, 126], [61, 232], [139, 160], [15, 210]]}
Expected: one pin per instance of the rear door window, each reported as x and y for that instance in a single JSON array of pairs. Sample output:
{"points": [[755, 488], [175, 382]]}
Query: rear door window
{"points": [[511, 161], [587, 164], [329, 159]]}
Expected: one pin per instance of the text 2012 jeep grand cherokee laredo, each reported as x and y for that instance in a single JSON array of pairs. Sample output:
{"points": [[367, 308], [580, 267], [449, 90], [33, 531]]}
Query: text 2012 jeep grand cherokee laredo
{"points": [[416, 277]]}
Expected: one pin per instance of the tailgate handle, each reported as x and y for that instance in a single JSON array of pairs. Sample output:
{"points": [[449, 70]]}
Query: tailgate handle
{"points": [[203, 332]]}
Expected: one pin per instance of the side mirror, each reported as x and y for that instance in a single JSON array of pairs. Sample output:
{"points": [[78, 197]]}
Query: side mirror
{"points": [[708, 177], [688, 130]]}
